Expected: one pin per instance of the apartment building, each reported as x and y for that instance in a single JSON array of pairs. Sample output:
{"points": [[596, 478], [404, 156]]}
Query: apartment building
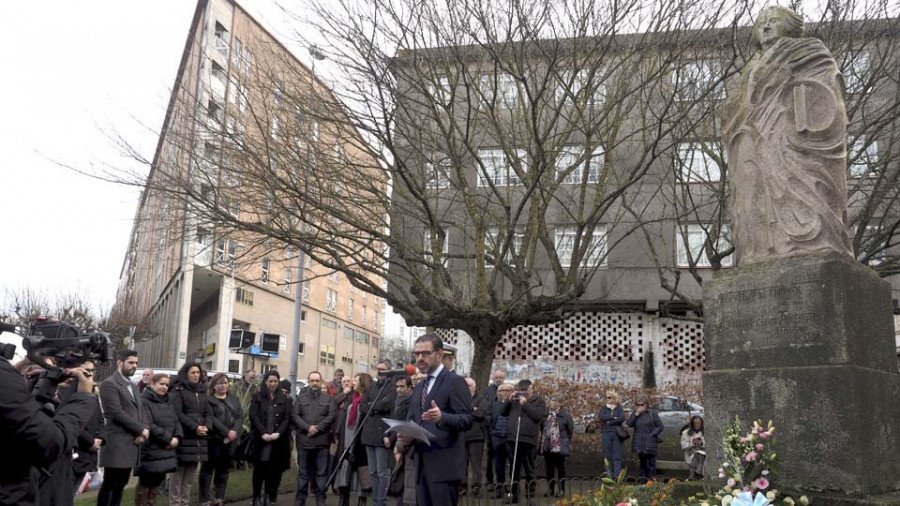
{"points": [[189, 281], [540, 129]]}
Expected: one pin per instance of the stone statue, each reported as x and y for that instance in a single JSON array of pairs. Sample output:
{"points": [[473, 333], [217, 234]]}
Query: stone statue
{"points": [[785, 130]]}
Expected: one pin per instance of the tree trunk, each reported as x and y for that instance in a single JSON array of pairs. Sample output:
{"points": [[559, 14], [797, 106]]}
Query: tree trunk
{"points": [[485, 336], [649, 377]]}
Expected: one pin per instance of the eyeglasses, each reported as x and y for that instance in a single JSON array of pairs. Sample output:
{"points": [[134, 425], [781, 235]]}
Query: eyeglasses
{"points": [[640, 404], [610, 397], [424, 353]]}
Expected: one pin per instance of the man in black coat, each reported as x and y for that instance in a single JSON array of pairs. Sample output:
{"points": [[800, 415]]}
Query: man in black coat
{"points": [[312, 418], [441, 404], [34, 439], [376, 443], [490, 394], [126, 429], [526, 412], [90, 439]]}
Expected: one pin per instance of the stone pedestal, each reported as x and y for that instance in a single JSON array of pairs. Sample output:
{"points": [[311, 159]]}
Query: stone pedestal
{"points": [[808, 342]]}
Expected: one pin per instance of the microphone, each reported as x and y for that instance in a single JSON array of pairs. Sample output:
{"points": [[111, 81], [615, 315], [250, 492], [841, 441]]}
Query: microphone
{"points": [[396, 372]]}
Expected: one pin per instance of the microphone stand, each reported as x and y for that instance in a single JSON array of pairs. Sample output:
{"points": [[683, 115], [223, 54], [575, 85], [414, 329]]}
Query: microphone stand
{"points": [[388, 380]]}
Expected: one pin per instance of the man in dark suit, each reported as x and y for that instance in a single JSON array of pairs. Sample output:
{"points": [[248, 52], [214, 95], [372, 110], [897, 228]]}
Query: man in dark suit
{"points": [[126, 429], [441, 404]]}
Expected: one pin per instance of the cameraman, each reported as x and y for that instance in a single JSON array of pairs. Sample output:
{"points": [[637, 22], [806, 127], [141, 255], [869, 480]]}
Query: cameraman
{"points": [[35, 439]]}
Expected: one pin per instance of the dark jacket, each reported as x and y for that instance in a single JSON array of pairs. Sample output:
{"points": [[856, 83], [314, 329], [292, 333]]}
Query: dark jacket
{"points": [[86, 461], [566, 429], [374, 429], [312, 408], [191, 404], [226, 415], [357, 454], [490, 393], [530, 416], [164, 425], [498, 426], [609, 418], [123, 413], [269, 415], [445, 458], [480, 413], [31, 436], [646, 428]]}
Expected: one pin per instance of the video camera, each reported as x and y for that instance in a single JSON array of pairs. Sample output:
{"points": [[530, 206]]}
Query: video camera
{"points": [[64, 343]]}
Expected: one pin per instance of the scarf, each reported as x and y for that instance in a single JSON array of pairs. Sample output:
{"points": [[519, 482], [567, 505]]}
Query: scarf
{"points": [[354, 410], [551, 442]]}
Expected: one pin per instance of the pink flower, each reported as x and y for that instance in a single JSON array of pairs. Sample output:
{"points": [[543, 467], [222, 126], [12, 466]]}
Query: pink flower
{"points": [[764, 435], [761, 483], [622, 504], [731, 482], [750, 457], [744, 439], [759, 446]]}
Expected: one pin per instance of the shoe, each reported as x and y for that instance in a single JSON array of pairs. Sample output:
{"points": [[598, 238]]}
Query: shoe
{"points": [[140, 496], [257, 501]]}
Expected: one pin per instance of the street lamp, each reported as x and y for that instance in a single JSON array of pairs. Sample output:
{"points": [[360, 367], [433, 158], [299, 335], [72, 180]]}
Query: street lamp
{"points": [[298, 301]]}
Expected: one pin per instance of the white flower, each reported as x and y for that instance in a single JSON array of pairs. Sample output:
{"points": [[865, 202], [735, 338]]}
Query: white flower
{"points": [[727, 500], [803, 500], [765, 472], [770, 495]]}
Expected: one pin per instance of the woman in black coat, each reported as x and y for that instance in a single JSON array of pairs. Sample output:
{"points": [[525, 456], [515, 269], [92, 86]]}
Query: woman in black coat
{"points": [[611, 417], [227, 418], [645, 442], [270, 422], [158, 452], [556, 445], [191, 404]]}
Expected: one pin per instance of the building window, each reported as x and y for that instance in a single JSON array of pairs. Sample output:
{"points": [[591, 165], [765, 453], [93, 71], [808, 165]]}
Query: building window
{"points": [[329, 323], [348, 333], [691, 246], [441, 92], [862, 155], [437, 172], [268, 367], [234, 366], [273, 127], [234, 93], [499, 89], [580, 88], [350, 309], [243, 296], [494, 242], [596, 249], [571, 165], [331, 300], [222, 40], [857, 72], [307, 262], [248, 60], [225, 252], [305, 292], [362, 337], [426, 247], [302, 315], [288, 274], [218, 81], [334, 276], [326, 355], [265, 271], [278, 94], [236, 53], [695, 162], [497, 169], [697, 79], [374, 319], [301, 348], [874, 245]]}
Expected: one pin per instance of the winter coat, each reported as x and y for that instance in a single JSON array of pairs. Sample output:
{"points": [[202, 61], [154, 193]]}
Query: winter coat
{"points": [[566, 429], [531, 414], [226, 415], [687, 444], [191, 404], [311, 408], [358, 453], [374, 429], [164, 425], [498, 426], [268, 415], [123, 413], [481, 410], [86, 457], [646, 429], [609, 418]]}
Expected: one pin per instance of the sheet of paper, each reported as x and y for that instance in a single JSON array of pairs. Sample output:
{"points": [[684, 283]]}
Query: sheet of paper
{"points": [[409, 429]]}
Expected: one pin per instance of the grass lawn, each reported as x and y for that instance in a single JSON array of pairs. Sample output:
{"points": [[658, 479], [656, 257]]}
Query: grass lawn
{"points": [[240, 487]]}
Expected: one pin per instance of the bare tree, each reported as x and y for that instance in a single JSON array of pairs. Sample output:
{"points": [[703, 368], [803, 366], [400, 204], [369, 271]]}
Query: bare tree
{"points": [[22, 305]]}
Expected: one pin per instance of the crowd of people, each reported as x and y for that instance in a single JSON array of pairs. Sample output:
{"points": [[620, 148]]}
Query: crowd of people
{"points": [[169, 431]]}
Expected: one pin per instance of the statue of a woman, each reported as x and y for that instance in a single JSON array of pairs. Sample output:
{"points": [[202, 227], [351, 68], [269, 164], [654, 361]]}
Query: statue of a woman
{"points": [[786, 136]]}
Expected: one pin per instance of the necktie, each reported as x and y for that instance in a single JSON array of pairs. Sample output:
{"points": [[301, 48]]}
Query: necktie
{"points": [[425, 391]]}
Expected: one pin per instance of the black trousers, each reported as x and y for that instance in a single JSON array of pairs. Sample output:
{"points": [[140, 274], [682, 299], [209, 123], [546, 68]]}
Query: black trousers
{"points": [[151, 480], [266, 479], [648, 464], [444, 493], [502, 459], [524, 467], [556, 470], [215, 470], [114, 481]]}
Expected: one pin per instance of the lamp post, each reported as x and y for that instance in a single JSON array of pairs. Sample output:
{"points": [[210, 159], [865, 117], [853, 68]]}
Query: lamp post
{"points": [[315, 54]]}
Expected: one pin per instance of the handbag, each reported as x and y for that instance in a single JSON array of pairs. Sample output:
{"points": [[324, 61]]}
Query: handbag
{"points": [[245, 447], [622, 432], [398, 477]]}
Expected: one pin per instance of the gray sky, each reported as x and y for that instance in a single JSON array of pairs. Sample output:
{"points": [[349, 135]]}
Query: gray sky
{"points": [[73, 71]]}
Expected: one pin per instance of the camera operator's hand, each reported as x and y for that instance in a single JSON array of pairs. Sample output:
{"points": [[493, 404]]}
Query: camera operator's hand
{"points": [[523, 398], [85, 379]]}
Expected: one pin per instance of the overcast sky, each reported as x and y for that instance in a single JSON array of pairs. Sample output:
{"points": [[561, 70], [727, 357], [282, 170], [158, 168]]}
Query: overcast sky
{"points": [[73, 72]]}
